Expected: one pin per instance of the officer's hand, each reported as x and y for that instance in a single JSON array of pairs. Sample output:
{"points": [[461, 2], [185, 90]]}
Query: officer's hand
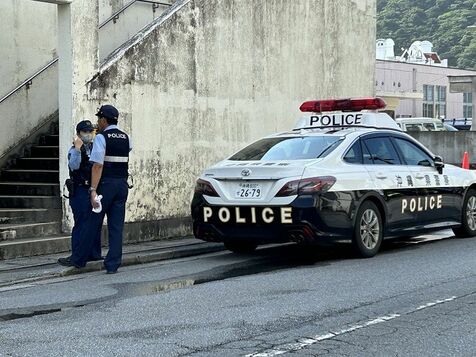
{"points": [[93, 200], [78, 143]]}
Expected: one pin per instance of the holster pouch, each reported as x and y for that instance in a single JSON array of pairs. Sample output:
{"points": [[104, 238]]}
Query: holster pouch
{"points": [[70, 187]]}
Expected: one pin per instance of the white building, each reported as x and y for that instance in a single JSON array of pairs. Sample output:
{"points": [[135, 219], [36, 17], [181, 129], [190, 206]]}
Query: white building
{"points": [[416, 83]]}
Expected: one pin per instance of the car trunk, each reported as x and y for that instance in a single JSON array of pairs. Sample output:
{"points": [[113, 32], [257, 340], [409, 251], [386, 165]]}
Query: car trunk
{"points": [[254, 180]]}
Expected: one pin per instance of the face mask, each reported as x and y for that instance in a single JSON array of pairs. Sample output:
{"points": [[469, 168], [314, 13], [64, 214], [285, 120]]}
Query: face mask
{"points": [[87, 138]]}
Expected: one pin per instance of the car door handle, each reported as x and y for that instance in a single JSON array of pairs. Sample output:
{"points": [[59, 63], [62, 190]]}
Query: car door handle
{"points": [[420, 176], [381, 176]]}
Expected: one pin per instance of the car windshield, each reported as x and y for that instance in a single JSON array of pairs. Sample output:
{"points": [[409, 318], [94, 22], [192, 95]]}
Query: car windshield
{"points": [[288, 148]]}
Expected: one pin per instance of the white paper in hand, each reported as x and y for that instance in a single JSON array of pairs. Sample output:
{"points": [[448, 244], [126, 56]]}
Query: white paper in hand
{"points": [[98, 200]]}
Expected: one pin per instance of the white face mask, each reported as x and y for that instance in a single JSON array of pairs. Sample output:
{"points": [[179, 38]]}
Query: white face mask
{"points": [[87, 137]]}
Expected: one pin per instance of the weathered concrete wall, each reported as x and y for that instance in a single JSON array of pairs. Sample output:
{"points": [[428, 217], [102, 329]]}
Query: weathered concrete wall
{"points": [[27, 40], [78, 51], [450, 145], [27, 110], [216, 74], [29, 34], [109, 7], [115, 33]]}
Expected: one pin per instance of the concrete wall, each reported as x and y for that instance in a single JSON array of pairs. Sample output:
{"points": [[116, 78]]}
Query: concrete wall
{"points": [[28, 34], [115, 33], [401, 78], [26, 111], [27, 40], [109, 7], [209, 77], [450, 145]]}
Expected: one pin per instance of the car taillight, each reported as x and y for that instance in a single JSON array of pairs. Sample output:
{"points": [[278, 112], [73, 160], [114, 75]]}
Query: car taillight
{"points": [[307, 186], [205, 188], [289, 189]]}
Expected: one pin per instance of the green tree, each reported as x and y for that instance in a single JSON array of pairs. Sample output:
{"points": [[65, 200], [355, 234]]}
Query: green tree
{"points": [[467, 58], [443, 22]]}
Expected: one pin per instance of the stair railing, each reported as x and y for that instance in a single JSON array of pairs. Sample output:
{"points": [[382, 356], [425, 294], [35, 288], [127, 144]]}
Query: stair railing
{"points": [[114, 17], [29, 81]]}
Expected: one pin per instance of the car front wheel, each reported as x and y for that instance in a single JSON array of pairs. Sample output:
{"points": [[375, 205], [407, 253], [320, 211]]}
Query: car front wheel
{"points": [[468, 222], [368, 230]]}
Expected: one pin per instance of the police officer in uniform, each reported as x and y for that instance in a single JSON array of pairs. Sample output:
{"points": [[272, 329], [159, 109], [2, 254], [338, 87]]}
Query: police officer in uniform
{"points": [[80, 175], [110, 158]]}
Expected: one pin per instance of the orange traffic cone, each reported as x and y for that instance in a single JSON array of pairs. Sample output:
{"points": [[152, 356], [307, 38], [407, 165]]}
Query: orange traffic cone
{"points": [[465, 164]]}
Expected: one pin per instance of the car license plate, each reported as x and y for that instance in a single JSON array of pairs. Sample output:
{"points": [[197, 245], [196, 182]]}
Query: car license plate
{"points": [[248, 190]]}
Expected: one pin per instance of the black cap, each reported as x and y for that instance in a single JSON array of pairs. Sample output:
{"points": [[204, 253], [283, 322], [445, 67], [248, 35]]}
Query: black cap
{"points": [[108, 112], [84, 125]]}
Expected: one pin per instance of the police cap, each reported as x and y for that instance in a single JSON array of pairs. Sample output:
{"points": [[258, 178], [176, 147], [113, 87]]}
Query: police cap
{"points": [[84, 125], [108, 112]]}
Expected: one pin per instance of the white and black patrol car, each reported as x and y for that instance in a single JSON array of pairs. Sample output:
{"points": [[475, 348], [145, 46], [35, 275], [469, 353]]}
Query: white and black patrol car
{"points": [[345, 172]]}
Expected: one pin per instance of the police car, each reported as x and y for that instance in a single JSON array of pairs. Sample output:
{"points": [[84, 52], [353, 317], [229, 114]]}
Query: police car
{"points": [[346, 172]]}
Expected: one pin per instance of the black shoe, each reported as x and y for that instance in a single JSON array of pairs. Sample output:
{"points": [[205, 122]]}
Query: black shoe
{"points": [[66, 262], [111, 271]]}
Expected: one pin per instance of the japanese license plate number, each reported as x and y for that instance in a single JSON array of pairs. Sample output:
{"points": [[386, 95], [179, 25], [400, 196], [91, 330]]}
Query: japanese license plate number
{"points": [[248, 191]]}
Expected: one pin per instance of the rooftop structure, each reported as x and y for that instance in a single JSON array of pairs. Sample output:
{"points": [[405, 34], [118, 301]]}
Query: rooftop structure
{"points": [[419, 52]]}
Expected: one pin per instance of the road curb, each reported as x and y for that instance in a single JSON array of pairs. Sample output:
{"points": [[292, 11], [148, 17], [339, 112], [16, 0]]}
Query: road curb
{"points": [[151, 257]]}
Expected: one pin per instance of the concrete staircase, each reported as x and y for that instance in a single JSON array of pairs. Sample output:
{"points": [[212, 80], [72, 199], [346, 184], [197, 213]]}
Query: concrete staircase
{"points": [[30, 203]]}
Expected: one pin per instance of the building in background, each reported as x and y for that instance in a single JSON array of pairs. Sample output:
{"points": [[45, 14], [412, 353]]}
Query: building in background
{"points": [[416, 84]]}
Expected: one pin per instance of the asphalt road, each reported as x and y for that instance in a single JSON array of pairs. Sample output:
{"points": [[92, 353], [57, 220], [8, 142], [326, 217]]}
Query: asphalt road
{"points": [[416, 298]]}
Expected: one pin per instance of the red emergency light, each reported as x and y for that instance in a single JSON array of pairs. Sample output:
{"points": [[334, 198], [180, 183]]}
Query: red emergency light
{"points": [[343, 105]]}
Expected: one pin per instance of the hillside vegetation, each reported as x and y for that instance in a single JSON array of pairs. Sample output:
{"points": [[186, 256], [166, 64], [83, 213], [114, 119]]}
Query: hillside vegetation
{"points": [[442, 22]]}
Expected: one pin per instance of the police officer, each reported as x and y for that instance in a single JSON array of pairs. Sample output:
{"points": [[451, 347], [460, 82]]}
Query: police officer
{"points": [[80, 175], [110, 158]]}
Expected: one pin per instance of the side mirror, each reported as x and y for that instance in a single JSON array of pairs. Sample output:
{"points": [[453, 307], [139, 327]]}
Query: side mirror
{"points": [[439, 164]]}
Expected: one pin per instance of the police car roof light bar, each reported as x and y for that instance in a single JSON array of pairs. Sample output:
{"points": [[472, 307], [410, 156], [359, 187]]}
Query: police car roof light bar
{"points": [[344, 105]]}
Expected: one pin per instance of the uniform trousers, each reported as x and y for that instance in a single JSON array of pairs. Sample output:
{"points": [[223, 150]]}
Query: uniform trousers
{"points": [[114, 192]]}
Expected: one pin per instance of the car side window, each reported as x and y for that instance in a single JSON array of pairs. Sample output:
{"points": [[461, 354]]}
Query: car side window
{"points": [[354, 155], [382, 151], [412, 154], [429, 126], [413, 127], [366, 155]]}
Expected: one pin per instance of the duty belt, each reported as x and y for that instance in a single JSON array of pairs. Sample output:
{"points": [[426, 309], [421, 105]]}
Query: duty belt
{"points": [[82, 183]]}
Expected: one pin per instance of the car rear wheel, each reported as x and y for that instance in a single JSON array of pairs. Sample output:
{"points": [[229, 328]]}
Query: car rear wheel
{"points": [[368, 230], [468, 222], [241, 247]]}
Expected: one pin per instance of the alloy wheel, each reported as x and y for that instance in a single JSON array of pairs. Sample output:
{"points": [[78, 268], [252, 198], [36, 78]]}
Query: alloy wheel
{"points": [[370, 229], [471, 213]]}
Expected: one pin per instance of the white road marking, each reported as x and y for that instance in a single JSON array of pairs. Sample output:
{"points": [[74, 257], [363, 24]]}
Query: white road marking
{"points": [[308, 341], [437, 302]]}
